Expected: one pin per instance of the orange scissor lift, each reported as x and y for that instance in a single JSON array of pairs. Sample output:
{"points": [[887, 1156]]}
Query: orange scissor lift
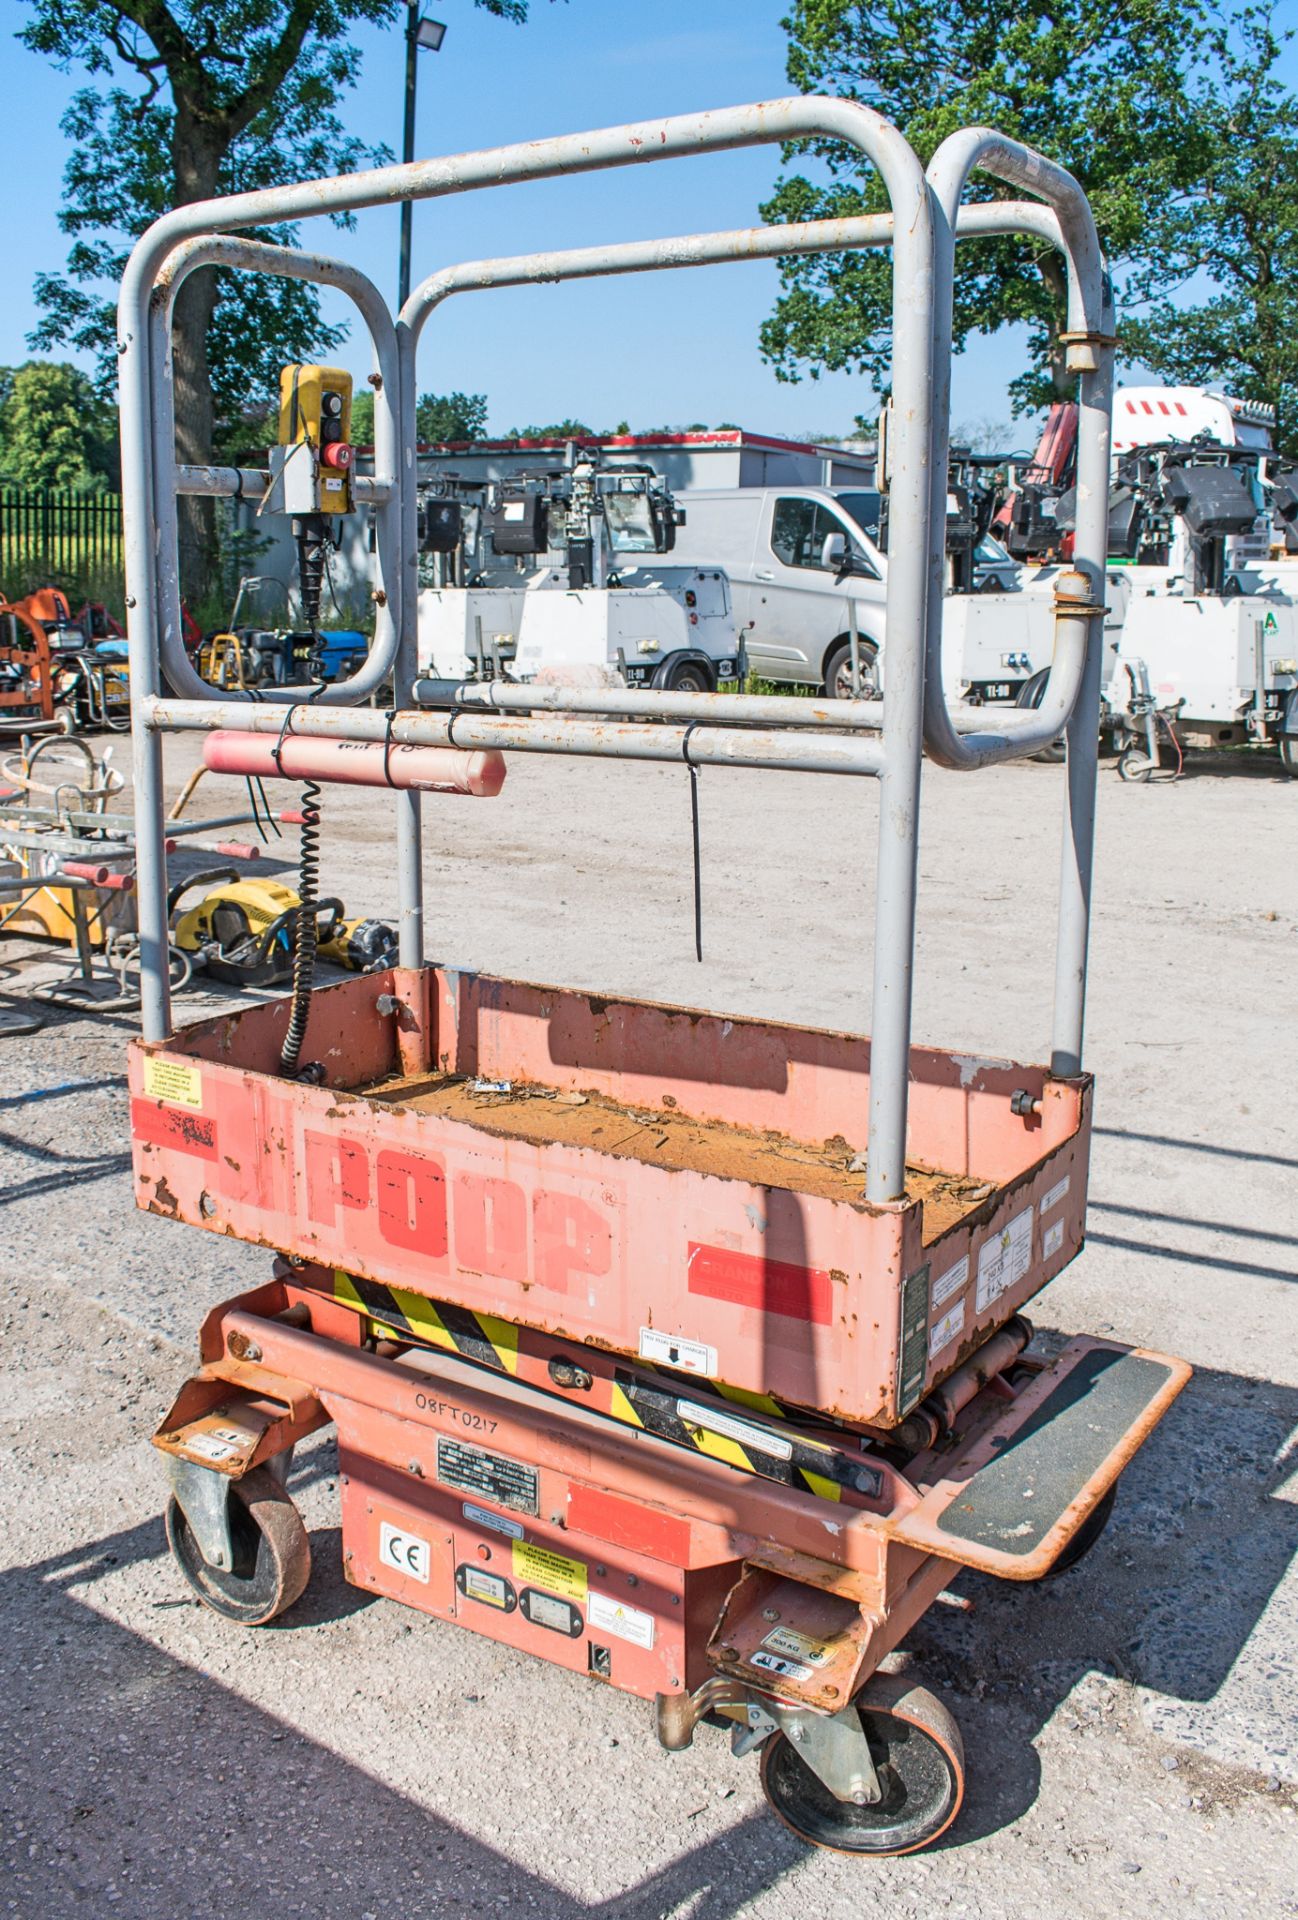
{"points": [[632, 1367]]}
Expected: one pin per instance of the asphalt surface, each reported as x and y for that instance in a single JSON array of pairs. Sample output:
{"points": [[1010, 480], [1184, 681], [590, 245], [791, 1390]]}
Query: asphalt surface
{"points": [[1129, 1729]]}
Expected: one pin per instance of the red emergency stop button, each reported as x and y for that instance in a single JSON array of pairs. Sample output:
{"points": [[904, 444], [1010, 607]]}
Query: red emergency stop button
{"points": [[337, 455]]}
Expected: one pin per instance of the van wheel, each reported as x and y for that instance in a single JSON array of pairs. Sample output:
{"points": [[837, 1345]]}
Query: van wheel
{"points": [[838, 671]]}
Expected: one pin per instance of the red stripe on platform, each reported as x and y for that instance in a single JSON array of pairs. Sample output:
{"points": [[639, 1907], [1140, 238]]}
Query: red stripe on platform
{"points": [[174, 1127], [772, 1286]]}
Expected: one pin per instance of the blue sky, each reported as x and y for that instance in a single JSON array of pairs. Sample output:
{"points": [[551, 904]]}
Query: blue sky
{"points": [[654, 349]]}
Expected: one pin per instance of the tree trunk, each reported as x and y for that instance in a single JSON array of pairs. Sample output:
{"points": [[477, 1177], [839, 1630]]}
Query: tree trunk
{"points": [[196, 159], [1053, 273]]}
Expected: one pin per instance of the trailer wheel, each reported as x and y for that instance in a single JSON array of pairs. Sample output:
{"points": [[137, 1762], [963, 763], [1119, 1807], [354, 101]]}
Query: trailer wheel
{"points": [[272, 1555], [838, 671], [918, 1754], [1288, 745], [1134, 764], [688, 676]]}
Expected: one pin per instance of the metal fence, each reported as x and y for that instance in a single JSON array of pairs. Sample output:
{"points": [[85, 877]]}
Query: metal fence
{"points": [[60, 534]]}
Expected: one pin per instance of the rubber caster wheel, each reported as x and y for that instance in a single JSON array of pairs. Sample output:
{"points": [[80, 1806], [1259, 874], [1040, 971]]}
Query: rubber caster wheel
{"points": [[272, 1555], [918, 1754], [1086, 1536], [1135, 766]]}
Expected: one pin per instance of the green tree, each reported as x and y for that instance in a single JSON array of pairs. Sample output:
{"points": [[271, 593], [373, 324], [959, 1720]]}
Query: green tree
{"points": [[55, 430], [440, 419], [560, 430], [1237, 228], [230, 94], [1099, 85], [447, 418]]}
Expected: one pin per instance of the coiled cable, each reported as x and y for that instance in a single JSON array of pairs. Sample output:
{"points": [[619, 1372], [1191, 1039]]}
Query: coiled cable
{"points": [[304, 931]]}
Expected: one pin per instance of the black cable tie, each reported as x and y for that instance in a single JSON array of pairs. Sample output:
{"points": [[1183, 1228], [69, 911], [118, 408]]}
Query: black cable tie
{"points": [[694, 826], [387, 747], [277, 750]]}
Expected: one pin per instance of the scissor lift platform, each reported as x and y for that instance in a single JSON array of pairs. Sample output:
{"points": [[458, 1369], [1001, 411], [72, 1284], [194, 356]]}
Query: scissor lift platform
{"points": [[657, 1181]]}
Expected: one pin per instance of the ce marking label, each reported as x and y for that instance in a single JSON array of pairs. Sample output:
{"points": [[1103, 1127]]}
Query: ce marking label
{"points": [[405, 1552], [473, 1422]]}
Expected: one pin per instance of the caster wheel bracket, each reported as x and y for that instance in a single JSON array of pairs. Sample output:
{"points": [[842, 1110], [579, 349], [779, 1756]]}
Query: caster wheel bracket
{"points": [[203, 1496], [835, 1748]]}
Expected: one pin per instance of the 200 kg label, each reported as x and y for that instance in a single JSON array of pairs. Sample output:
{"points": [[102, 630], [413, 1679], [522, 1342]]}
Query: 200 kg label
{"points": [[474, 1422]]}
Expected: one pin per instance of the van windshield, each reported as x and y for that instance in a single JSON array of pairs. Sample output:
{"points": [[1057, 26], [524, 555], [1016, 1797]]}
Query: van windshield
{"points": [[863, 507]]}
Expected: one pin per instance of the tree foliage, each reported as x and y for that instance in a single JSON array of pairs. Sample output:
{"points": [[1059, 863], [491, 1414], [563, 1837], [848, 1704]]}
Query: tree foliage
{"points": [[55, 430], [222, 96], [442, 418], [1237, 229], [557, 430], [1099, 85]]}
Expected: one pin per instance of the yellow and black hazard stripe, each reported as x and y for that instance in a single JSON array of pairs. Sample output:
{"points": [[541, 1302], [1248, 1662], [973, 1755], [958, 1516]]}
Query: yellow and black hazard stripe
{"points": [[726, 1423], [435, 1323], [788, 1457]]}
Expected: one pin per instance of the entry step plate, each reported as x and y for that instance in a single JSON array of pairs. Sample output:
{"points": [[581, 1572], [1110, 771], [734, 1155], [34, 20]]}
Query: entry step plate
{"points": [[1012, 1501]]}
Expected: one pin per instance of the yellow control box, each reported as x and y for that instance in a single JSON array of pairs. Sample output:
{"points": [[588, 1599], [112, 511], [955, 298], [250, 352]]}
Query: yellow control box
{"points": [[315, 409]]}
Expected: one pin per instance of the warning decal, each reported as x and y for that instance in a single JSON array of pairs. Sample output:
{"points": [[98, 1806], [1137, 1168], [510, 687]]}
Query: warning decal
{"points": [[772, 1663], [800, 1646], [172, 1083], [539, 1567], [1004, 1261], [616, 1617]]}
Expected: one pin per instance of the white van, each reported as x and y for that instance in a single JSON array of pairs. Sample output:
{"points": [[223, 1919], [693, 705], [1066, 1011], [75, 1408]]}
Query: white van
{"points": [[783, 549]]}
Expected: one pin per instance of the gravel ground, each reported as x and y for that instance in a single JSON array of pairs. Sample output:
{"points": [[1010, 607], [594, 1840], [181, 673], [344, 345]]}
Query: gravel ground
{"points": [[1129, 1729]]}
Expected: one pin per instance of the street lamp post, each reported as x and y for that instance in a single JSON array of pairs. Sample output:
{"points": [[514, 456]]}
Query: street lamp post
{"points": [[420, 32]]}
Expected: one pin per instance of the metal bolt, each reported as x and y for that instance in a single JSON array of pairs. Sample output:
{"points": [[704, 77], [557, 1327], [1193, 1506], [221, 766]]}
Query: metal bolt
{"points": [[632, 1580], [797, 1735], [860, 1798], [770, 1613], [557, 1519], [414, 1467]]}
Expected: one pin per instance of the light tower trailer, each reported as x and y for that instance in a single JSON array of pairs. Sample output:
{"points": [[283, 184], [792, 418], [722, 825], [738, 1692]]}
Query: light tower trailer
{"points": [[594, 533], [630, 1367], [1201, 663]]}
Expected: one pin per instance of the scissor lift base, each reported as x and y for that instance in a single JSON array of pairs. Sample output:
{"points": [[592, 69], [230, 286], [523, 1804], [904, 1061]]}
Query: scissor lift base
{"points": [[612, 1552]]}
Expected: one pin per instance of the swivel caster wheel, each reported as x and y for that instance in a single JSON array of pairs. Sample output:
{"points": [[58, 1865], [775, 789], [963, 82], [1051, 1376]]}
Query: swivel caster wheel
{"points": [[1135, 765], [272, 1555], [918, 1755]]}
